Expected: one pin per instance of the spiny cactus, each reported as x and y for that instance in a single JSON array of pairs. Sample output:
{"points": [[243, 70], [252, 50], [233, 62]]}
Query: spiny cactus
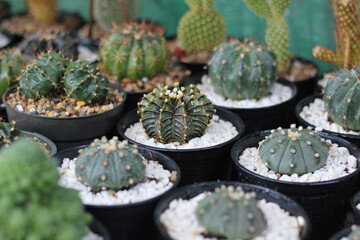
{"points": [[202, 27], [133, 52], [277, 32], [84, 82], [341, 98], [43, 76], [354, 234], [8, 133], [242, 70], [294, 150], [110, 165], [42, 10], [175, 114], [231, 213]]}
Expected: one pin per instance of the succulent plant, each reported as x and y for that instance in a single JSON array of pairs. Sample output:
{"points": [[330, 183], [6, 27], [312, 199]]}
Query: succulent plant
{"points": [[85, 82], [133, 52], [294, 150], [175, 114], [341, 98], [231, 213], [202, 27], [43, 76], [42, 10], [242, 70], [110, 165], [354, 234], [8, 133]]}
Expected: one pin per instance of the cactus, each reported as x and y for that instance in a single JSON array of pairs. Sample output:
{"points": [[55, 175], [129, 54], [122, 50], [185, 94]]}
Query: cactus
{"points": [[231, 213], [110, 165], [84, 82], [42, 10], [277, 32], [242, 70], [43, 76], [341, 98], [175, 114], [8, 133], [202, 27], [354, 234], [294, 150], [133, 52]]}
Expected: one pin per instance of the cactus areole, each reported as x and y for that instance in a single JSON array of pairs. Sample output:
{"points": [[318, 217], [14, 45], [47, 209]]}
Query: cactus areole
{"points": [[175, 114], [342, 98], [294, 150]]}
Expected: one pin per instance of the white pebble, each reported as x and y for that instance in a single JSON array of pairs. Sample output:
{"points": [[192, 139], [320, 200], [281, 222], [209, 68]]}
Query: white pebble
{"points": [[19, 108]]}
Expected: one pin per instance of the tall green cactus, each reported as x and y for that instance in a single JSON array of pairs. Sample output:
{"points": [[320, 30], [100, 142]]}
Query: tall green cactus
{"points": [[277, 32]]}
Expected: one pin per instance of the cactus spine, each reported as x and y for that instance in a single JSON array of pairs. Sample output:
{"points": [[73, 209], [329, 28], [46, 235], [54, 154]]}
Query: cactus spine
{"points": [[231, 213]]}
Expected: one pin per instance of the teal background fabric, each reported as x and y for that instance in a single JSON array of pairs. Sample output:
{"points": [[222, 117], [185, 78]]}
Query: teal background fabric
{"points": [[311, 22]]}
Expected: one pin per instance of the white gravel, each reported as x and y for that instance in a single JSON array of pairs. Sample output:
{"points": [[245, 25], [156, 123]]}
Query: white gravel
{"points": [[3, 40], [322, 82], [219, 131], [339, 164], [92, 236], [181, 223], [86, 54], [140, 192], [278, 94], [316, 114]]}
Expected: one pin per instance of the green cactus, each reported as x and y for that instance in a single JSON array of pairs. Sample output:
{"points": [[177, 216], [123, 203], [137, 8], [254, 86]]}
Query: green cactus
{"points": [[354, 234], [8, 133], [110, 165], [294, 150], [231, 213], [40, 78], [277, 32], [242, 70], [175, 114], [84, 82], [342, 100], [202, 27], [133, 52]]}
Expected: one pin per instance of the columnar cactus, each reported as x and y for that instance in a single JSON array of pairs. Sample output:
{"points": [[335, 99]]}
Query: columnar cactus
{"points": [[84, 82], [354, 234], [277, 32], [294, 150], [202, 27], [231, 213], [133, 52], [110, 165], [42, 10], [242, 70], [341, 98], [175, 114], [8, 133]]}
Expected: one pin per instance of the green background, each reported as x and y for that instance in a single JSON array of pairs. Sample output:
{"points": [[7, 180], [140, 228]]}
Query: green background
{"points": [[310, 22]]}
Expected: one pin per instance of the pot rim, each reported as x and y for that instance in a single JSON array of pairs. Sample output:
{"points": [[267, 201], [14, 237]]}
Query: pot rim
{"points": [[49, 142], [353, 203], [341, 233]]}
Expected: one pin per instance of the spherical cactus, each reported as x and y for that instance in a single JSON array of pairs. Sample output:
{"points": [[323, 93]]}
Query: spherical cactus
{"points": [[202, 27], [242, 70], [294, 150], [231, 213], [355, 233], [175, 114], [43, 76], [110, 165], [133, 52], [84, 82], [8, 133], [342, 100]]}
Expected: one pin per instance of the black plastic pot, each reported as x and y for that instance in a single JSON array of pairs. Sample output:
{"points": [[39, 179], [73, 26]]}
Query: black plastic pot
{"points": [[198, 164], [326, 202], [195, 67], [13, 39], [50, 145], [129, 221], [97, 228], [188, 192], [355, 200], [306, 101], [342, 233]]}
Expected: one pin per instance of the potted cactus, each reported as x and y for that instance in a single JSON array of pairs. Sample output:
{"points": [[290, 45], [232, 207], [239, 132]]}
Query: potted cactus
{"points": [[42, 10]]}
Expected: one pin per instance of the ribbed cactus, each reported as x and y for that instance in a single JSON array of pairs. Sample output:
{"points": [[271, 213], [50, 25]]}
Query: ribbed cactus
{"points": [[277, 32], [133, 52], [294, 150], [342, 100], [43, 76], [347, 35], [85, 82], [202, 27], [354, 234], [8, 133], [242, 70], [175, 114], [42, 10], [110, 164], [231, 213]]}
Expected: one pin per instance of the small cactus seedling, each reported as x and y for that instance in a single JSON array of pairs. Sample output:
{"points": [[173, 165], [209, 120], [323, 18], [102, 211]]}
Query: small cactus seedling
{"points": [[8, 133], [354, 234], [242, 70], [342, 100], [231, 213], [110, 165], [84, 82], [294, 150], [175, 114]]}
